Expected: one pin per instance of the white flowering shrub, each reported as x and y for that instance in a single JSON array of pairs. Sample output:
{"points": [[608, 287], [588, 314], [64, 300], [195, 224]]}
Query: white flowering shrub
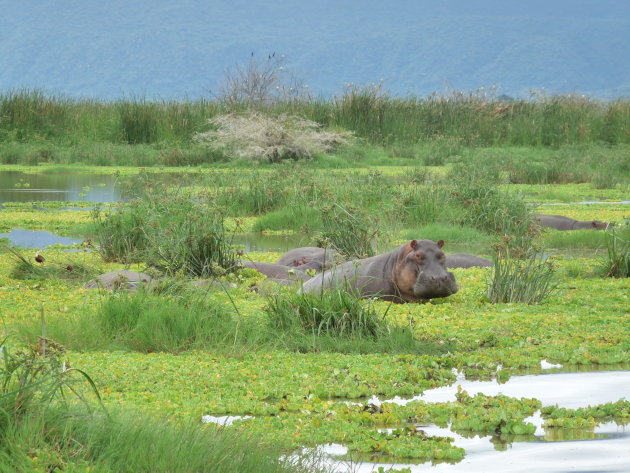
{"points": [[257, 136]]}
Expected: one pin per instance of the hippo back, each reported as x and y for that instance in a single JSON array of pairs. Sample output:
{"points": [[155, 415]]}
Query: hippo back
{"points": [[464, 260], [310, 257], [562, 223], [275, 271]]}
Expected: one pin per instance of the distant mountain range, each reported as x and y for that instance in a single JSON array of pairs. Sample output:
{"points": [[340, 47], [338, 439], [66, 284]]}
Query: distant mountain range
{"points": [[158, 49]]}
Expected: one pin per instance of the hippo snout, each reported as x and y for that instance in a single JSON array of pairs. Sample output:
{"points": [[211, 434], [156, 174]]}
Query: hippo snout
{"points": [[429, 287]]}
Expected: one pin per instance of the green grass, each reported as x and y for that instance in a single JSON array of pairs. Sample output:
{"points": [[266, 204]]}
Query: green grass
{"points": [[337, 321], [128, 442], [168, 230], [617, 262], [450, 121], [298, 218], [448, 233], [48, 422], [574, 239], [147, 323], [351, 231], [528, 280]]}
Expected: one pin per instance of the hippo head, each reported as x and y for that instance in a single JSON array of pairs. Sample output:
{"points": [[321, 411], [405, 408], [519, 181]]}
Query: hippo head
{"points": [[590, 224], [421, 272]]}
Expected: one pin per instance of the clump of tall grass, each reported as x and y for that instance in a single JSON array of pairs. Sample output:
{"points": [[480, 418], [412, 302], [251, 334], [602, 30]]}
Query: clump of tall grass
{"points": [[256, 194], [260, 137], [119, 231], [37, 377], [170, 321], [27, 114], [574, 239], [617, 261], [337, 312], [424, 205], [351, 231], [139, 121], [132, 442], [526, 279], [191, 240], [168, 230], [442, 149], [299, 218], [147, 323], [491, 210], [338, 321]]}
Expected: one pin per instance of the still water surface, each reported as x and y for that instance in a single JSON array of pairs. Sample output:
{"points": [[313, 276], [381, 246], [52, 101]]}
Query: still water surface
{"points": [[604, 450]]}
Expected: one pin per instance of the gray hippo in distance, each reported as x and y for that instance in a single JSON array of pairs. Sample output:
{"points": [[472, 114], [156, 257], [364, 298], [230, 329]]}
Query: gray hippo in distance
{"points": [[124, 280], [565, 223], [464, 260], [413, 272], [275, 271], [310, 257]]}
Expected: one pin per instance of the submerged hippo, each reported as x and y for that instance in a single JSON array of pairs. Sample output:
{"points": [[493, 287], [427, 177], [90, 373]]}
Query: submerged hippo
{"points": [[562, 223], [275, 271], [415, 271], [310, 257], [464, 260], [124, 279]]}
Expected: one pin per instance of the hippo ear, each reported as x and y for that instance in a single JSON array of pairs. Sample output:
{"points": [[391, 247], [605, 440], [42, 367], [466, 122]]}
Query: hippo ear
{"points": [[440, 243], [414, 244]]}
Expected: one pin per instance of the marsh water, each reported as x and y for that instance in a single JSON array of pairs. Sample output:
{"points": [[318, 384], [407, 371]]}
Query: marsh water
{"points": [[604, 449], [18, 186], [37, 239], [71, 186]]}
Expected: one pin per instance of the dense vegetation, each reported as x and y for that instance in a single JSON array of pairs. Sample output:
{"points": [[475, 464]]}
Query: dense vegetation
{"points": [[450, 121], [199, 341]]}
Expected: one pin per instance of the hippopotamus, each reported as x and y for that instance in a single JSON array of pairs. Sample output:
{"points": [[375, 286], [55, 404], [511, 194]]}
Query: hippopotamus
{"points": [[124, 279], [275, 271], [464, 260], [562, 223], [310, 257], [413, 272]]}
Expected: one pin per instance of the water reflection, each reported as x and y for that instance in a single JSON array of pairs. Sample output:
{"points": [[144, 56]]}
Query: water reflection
{"points": [[37, 239], [18, 186], [606, 448]]}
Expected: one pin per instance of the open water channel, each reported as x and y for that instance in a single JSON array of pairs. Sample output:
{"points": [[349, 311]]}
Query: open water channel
{"points": [[606, 449]]}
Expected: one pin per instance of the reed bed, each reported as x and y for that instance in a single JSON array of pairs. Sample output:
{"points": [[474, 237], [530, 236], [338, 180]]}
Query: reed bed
{"points": [[451, 121]]}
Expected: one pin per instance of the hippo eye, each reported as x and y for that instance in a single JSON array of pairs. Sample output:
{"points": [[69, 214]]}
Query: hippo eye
{"points": [[441, 255]]}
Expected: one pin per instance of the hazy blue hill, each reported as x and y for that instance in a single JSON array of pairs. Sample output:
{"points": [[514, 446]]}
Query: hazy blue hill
{"points": [[172, 49]]}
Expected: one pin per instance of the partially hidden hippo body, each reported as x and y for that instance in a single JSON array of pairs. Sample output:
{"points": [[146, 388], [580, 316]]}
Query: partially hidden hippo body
{"points": [[562, 223], [413, 272], [465, 260], [123, 279], [310, 257], [275, 271]]}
